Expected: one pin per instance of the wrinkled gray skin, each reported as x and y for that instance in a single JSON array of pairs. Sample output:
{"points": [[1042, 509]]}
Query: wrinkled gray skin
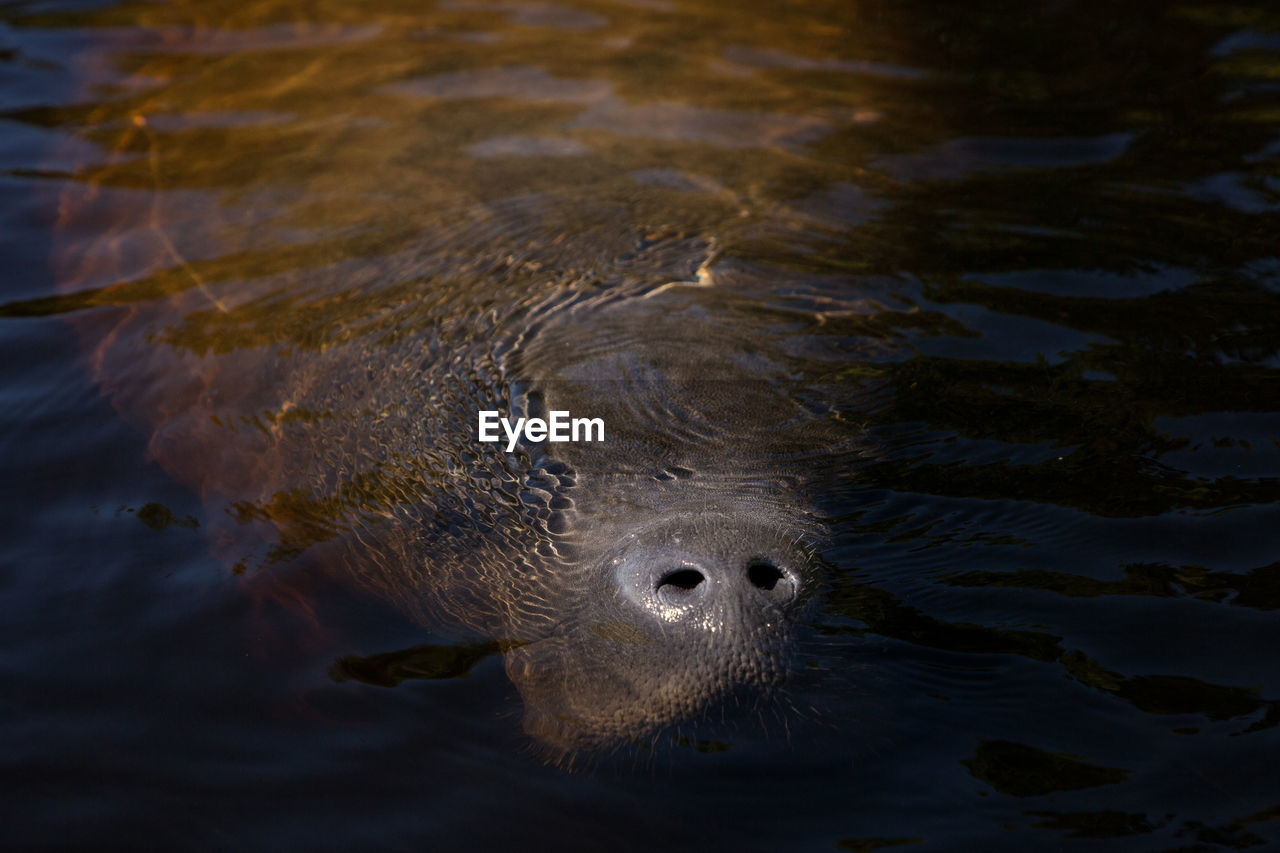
{"points": [[639, 582], [680, 614]]}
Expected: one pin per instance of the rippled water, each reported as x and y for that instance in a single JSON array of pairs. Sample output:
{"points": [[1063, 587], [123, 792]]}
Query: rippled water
{"points": [[995, 296]]}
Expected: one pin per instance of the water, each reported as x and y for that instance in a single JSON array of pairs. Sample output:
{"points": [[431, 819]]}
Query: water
{"points": [[1019, 268]]}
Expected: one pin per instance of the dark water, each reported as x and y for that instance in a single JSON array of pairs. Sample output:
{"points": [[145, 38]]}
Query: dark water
{"points": [[1028, 258]]}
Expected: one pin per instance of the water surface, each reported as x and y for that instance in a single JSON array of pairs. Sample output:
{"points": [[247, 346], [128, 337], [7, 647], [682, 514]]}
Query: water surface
{"points": [[1021, 264]]}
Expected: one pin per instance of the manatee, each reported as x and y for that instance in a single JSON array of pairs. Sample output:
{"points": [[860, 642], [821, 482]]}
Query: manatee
{"points": [[688, 545], [304, 293], [327, 415]]}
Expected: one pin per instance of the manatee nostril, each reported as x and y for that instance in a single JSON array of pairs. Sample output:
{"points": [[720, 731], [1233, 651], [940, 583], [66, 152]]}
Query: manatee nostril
{"points": [[680, 582], [764, 575]]}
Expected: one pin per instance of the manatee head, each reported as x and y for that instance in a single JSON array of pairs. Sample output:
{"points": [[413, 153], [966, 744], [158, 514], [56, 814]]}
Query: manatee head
{"points": [[687, 554]]}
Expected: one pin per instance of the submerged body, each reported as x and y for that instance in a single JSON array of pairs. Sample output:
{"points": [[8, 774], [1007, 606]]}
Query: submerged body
{"points": [[635, 581], [310, 330]]}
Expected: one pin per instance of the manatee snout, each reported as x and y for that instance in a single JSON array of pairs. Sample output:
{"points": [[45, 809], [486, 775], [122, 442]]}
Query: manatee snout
{"points": [[684, 613], [710, 574]]}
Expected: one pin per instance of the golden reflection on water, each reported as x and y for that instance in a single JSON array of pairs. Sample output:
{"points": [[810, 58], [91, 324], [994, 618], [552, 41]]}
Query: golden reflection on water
{"points": [[271, 135]]}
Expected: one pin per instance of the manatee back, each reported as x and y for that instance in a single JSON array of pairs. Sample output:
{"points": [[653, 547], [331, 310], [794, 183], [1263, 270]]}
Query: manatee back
{"points": [[326, 406]]}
